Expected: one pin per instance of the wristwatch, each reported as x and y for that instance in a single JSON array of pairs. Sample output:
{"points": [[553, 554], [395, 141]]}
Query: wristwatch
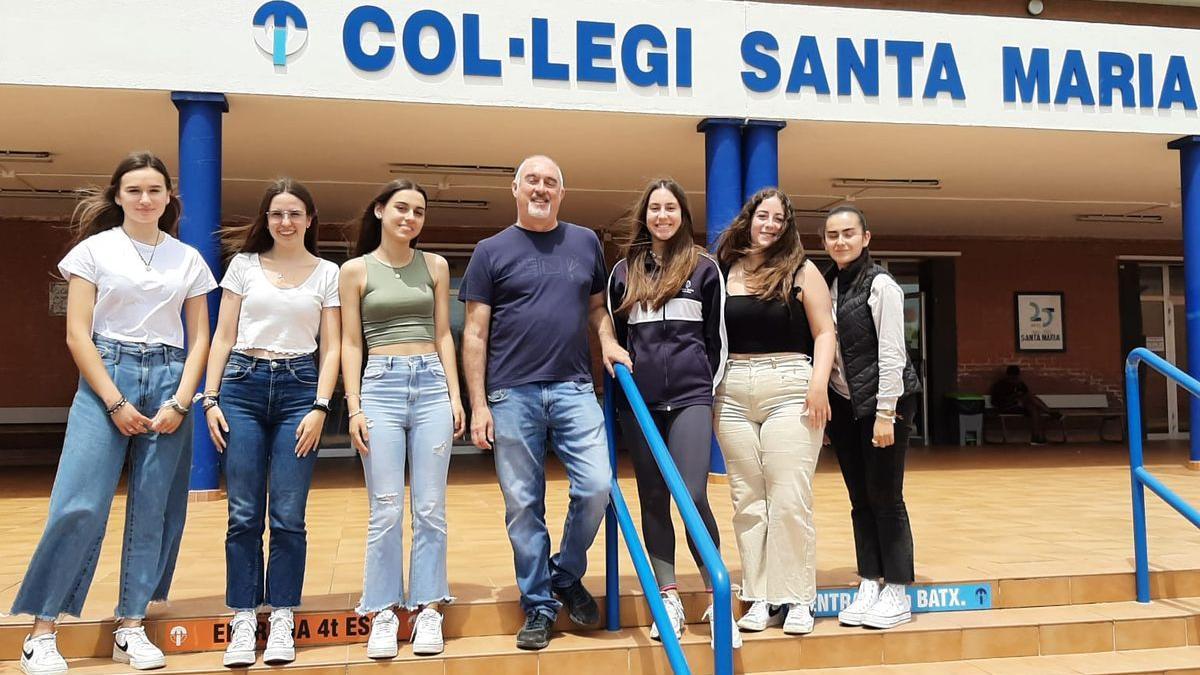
{"points": [[321, 404]]}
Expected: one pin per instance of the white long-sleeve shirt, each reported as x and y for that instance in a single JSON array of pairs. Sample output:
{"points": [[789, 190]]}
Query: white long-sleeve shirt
{"points": [[887, 311]]}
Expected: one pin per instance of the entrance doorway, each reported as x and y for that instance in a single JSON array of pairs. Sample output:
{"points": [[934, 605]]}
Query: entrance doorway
{"points": [[907, 274], [1164, 407]]}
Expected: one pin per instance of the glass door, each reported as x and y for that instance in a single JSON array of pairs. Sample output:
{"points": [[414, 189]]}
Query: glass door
{"points": [[1164, 406], [907, 274]]}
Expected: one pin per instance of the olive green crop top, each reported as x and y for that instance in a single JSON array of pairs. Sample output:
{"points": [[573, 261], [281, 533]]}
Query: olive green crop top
{"points": [[397, 303]]}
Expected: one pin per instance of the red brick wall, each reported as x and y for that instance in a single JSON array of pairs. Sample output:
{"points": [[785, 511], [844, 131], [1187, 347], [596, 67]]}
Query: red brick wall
{"points": [[37, 371], [987, 274], [35, 368]]}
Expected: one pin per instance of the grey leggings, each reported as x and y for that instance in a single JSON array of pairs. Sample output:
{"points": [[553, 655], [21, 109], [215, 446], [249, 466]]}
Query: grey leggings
{"points": [[688, 433]]}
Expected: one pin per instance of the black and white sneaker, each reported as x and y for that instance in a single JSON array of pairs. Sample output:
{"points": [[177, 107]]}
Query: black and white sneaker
{"points": [[130, 645], [39, 656]]}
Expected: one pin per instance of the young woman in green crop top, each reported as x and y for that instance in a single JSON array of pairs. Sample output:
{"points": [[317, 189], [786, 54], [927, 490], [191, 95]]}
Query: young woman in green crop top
{"points": [[404, 407]]}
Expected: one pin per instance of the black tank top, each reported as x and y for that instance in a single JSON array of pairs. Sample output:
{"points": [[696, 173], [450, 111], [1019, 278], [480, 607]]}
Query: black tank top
{"points": [[756, 326]]}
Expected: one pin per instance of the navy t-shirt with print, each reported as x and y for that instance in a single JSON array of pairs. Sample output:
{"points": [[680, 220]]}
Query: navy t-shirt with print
{"points": [[538, 285]]}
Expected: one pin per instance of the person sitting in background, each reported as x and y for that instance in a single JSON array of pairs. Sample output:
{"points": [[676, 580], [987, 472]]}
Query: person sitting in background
{"points": [[1010, 394]]}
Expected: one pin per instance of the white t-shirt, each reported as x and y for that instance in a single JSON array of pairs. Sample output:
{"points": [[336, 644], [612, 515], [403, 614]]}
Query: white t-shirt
{"points": [[135, 304], [280, 320]]}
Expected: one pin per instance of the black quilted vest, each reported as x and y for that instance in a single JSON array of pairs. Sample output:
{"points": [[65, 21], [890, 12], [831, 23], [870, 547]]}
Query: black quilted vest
{"points": [[858, 341]]}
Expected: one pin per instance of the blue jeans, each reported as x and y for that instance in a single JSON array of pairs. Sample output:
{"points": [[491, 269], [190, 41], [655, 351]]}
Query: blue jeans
{"points": [[264, 401], [522, 416], [407, 406], [89, 469]]}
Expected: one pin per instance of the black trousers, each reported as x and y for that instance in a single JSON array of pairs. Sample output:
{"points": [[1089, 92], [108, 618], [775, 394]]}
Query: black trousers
{"points": [[688, 433], [875, 482]]}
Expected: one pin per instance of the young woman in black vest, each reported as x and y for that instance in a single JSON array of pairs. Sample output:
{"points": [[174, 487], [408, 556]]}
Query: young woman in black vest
{"points": [[873, 398]]}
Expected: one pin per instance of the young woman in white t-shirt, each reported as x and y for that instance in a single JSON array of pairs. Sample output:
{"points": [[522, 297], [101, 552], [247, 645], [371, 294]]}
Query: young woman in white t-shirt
{"points": [[271, 372], [129, 281]]}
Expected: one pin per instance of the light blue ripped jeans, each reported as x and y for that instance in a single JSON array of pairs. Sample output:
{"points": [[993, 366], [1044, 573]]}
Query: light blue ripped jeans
{"points": [[407, 406]]}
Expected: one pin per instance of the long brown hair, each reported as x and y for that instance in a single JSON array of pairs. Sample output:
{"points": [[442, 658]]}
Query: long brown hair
{"points": [[653, 289], [256, 236], [98, 211], [782, 259], [370, 229]]}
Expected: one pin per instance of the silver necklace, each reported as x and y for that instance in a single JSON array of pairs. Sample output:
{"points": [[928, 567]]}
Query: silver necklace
{"points": [[395, 270], [153, 249]]}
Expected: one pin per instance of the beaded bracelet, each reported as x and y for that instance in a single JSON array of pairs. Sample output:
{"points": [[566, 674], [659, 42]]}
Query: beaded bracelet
{"points": [[112, 409]]}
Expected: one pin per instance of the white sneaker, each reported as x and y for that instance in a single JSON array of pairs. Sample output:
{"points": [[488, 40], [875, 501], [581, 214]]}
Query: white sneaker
{"points": [[39, 656], [382, 642], [427, 633], [891, 609], [799, 620], [242, 638], [868, 593], [674, 613], [281, 646], [710, 617], [760, 616], [130, 645]]}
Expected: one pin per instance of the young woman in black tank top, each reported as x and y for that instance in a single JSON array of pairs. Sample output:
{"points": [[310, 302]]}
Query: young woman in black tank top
{"points": [[772, 407]]}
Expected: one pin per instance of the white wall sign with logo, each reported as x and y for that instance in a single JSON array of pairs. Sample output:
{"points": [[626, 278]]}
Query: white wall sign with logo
{"points": [[693, 58], [1040, 326], [1156, 343]]}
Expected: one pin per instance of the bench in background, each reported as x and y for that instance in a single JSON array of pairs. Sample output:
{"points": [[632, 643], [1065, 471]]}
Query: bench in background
{"points": [[1093, 407]]}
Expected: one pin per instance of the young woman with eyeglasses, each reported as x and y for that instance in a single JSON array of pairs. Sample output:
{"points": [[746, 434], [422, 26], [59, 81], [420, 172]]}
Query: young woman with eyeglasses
{"points": [[272, 370]]}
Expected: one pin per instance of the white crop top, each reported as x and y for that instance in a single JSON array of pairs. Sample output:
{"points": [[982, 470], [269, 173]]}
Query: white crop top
{"points": [[280, 320], [135, 304]]}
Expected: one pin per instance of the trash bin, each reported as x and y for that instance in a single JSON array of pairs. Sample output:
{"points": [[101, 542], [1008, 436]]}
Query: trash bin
{"points": [[970, 417]]}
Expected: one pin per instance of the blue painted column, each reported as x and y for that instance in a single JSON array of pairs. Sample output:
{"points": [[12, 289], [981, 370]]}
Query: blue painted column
{"points": [[722, 197], [722, 173], [760, 156], [200, 190], [1189, 170]]}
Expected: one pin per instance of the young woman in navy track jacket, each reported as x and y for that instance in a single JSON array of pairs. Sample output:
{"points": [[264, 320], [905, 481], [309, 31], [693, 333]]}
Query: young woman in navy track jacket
{"points": [[666, 297]]}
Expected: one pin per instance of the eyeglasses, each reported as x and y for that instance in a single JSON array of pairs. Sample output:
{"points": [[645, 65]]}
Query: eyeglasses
{"points": [[280, 216]]}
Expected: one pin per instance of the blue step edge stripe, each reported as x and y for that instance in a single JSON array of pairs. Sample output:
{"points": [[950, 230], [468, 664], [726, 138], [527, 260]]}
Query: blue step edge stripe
{"points": [[925, 598]]}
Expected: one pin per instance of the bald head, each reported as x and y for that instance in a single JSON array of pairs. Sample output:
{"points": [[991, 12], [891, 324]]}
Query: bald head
{"points": [[539, 159], [538, 189]]}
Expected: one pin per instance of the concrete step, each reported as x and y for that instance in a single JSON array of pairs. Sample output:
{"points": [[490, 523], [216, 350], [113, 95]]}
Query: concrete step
{"points": [[201, 624], [931, 639], [1166, 661]]}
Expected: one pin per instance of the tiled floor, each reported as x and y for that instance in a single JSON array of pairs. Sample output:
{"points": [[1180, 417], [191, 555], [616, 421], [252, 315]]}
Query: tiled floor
{"points": [[997, 512]]}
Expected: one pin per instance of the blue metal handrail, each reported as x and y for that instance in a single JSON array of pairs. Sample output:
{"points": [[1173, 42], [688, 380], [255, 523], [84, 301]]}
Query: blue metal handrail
{"points": [[1140, 478], [618, 515]]}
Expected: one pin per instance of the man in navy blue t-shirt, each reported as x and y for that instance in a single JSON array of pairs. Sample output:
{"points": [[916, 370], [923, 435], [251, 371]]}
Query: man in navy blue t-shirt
{"points": [[531, 292]]}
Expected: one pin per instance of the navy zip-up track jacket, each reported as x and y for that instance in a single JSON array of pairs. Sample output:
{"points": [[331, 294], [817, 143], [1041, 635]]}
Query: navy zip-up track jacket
{"points": [[679, 350]]}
